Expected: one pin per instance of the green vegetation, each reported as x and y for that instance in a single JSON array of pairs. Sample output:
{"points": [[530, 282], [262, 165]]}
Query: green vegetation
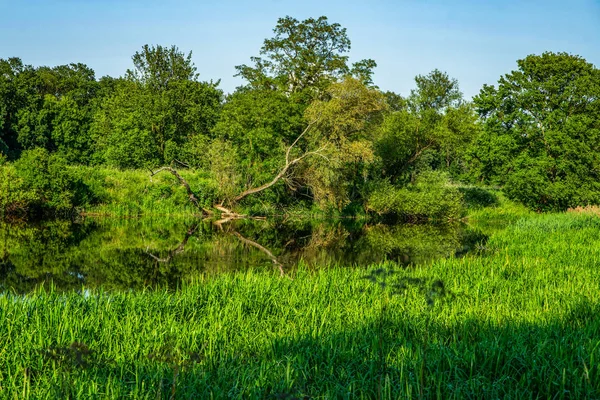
{"points": [[43, 185], [307, 130], [519, 322], [541, 136], [429, 197], [504, 307], [147, 253]]}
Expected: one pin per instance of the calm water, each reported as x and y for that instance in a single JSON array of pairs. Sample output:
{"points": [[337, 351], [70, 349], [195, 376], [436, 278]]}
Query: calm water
{"points": [[125, 254]]}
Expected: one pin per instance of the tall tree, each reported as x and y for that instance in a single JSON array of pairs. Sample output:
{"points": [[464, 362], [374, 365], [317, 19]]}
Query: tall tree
{"points": [[157, 66], [541, 137], [48, 107], [11, 99], [344, 122], [428, 130], [155, 110], [303, 54], [259, 124]]}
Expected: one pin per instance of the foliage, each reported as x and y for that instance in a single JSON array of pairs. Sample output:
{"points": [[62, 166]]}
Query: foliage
{"points": [[259, 124], [41, 183], [152, 113], [541, 137], [478, 197], [309, 127], [222, 157], [429, 130], [429, 197], [304, 55], [341, 136], [134, 193], [11, 100], [155, 67], [519, 322], [47, 107]]}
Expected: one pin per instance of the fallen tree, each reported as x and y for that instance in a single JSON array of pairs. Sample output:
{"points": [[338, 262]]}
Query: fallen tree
{"points": [[227, 213], [334, 134]]}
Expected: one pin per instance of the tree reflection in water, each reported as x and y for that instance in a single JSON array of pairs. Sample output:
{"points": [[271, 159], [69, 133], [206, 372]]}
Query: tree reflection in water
{"points": [[125, 254]]}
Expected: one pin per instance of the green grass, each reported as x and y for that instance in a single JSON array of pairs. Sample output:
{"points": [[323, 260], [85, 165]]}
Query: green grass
{"points": [[135, 192], [493, 218], [521, 321]]}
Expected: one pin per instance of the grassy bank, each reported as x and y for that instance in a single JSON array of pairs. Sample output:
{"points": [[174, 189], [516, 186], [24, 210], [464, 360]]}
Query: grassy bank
{"points": [[62, 191], [521, 321], [43, 186], [135, 192]]}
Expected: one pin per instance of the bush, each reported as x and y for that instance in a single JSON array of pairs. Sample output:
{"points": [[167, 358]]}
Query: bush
{"points": [[42, 183], [476, 197], [429, 197]]}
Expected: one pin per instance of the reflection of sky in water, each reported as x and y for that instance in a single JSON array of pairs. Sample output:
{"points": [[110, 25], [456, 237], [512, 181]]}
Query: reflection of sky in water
{"points": [[132, 254]]}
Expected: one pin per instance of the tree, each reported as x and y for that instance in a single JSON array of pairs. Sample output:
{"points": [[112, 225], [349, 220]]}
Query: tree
{"points": [[259, 124], [541, 136], [334, 131], [152, 113], [10, 102], [49, 108], [155, 67], [343, 125], [430, 129], [303, 55]]}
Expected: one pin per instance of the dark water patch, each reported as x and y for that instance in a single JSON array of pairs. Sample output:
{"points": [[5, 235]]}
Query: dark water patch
{"points": [[125, 254]]}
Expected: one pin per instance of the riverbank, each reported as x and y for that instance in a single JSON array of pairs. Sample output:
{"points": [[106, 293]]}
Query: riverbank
{"points": [[41, 186], [519, 320]]}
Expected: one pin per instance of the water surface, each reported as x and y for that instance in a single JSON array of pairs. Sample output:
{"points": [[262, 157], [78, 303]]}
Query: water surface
{"points": [[126, 254]]}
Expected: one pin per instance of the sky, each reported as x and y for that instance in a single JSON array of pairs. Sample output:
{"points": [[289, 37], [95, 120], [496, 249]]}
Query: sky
{"points": [[474, 41]]}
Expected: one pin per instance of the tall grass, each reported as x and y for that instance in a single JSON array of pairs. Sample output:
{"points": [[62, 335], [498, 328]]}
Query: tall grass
{"points": [[520, 321], [135, 192]]}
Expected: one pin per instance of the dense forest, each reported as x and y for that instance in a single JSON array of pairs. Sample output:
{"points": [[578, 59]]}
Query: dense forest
{"points": [[308, 129]]}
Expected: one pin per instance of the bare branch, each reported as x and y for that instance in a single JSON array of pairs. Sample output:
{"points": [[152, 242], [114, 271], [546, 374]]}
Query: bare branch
{"points": [[191, 195], [182, 163], [287, 153], [263, 249]]}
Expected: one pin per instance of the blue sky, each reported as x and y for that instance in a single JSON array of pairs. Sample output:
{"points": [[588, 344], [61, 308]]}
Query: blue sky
{"points": [[474, 41]]}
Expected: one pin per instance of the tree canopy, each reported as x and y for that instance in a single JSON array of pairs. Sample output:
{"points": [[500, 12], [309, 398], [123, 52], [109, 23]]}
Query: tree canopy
{"points": [[302, 55], [541, 137], [310, 128]]}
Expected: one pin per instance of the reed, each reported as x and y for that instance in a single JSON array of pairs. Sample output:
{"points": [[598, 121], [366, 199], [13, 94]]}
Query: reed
{"points": [[520, 320]]}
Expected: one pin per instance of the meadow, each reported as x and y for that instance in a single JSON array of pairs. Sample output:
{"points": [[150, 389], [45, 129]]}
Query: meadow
{"points": [[520, 319]]}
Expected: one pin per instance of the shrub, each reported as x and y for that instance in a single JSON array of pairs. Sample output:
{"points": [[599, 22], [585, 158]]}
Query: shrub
{"points": [[429, 197], [476, 197], [43, 183]]}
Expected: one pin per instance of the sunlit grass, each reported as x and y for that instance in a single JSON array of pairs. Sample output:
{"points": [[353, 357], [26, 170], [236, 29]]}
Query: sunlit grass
{"points": [[520, 321], [136, 192]]}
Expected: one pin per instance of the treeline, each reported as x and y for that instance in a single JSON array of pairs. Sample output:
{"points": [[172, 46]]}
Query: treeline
{"points": [[308, 127]]}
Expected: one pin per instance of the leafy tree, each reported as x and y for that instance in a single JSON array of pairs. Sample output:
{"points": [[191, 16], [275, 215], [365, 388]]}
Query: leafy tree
{"points": [[343, 125], [395, 101], [11, 100], [47, 107], [302, 55], [334, 131], [541, 136], [259, 124], [422, 140], [44, 183], [120, 129], [155, 67], [428, 130], [155, 110]]}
